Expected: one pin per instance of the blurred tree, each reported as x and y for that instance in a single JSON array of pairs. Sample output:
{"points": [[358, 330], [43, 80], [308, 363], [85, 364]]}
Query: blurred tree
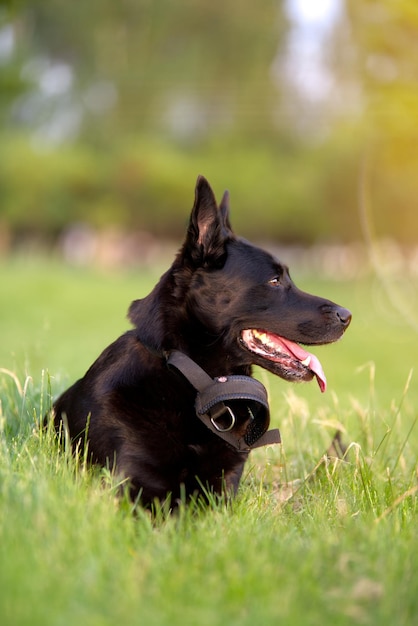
{"points": [[155, 91], [12, 82], [146, 65], [384, 38]]}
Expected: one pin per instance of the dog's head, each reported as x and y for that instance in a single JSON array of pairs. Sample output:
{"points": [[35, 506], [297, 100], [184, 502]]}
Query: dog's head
{"points": [[227, 297]]}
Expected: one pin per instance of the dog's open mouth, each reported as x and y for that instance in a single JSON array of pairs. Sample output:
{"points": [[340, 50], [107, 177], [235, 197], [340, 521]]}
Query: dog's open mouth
{"points": [[293, 361]]}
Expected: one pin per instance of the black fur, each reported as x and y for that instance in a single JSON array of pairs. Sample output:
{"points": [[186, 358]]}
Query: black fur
{"points": [[140, 414]]}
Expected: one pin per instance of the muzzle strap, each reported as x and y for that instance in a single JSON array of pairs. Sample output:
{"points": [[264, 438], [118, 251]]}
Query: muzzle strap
{"points": [[217, 398]]}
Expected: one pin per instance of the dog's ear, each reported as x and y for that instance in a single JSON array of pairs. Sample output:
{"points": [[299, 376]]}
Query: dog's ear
{"points": [[224, 209], [209, 228]]}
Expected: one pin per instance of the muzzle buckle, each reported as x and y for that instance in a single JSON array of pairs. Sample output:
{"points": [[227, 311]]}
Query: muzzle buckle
{"points": [[220, 428]]}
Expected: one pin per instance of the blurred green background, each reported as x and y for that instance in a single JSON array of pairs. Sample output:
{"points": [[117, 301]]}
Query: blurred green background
{"points": [[109, 110], [306, 111]]}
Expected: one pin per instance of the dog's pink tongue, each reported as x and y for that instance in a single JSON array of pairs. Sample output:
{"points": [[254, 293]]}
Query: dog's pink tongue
{"points": [[313, 364]]}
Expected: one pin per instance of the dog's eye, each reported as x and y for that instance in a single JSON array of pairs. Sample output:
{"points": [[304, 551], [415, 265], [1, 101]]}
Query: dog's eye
{"points": [[274, 282]]}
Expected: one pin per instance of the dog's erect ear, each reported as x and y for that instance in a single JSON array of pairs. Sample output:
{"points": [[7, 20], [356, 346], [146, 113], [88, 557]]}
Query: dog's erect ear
{"points": [[224, 208], [209, 227]]}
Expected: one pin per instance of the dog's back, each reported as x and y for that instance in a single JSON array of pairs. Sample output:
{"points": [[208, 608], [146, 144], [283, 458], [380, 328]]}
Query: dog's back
{"points": [[224, 304]]}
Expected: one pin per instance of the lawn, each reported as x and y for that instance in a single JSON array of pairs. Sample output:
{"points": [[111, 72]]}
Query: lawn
{"points": [[309, 540]]}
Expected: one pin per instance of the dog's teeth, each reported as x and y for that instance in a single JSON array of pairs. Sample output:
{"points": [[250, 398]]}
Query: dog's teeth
{"points": [[264, 339], [260, 336], [307, 361]]}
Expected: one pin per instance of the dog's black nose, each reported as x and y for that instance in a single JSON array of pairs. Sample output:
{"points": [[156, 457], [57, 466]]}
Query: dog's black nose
{"points": [[344, 315]]}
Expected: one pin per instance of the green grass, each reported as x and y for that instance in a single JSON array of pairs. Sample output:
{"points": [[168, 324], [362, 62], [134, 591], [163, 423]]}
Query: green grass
{"points": [[332, 546]]}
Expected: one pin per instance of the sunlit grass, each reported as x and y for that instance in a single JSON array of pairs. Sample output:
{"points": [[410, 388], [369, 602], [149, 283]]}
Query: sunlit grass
{"points": [[311, 538]]}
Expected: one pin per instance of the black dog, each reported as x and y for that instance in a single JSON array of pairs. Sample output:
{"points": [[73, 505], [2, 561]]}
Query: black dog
{"points": [[150, 407]]}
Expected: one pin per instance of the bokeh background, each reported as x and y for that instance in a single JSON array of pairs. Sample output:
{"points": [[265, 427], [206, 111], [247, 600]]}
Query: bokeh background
{"points": [[307, 111], [109, 110]]}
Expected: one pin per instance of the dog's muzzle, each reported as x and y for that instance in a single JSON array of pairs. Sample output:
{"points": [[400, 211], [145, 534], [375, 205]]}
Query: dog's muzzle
{"points": [[217, 399]]}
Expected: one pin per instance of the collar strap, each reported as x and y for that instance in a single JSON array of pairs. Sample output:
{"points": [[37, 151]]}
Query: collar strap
{"points": [[212, 408]]}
